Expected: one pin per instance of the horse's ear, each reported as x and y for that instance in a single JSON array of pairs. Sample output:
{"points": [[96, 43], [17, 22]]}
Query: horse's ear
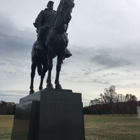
{"points": [[73, 4]]}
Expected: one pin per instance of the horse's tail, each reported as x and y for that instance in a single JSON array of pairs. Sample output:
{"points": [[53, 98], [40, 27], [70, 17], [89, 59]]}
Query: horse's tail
{"points": [[39, 69]]}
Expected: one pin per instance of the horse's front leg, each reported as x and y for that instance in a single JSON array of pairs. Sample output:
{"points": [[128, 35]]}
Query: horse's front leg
{"points": [[58, 69], [43, 75], [50, 65], [33, 67]]}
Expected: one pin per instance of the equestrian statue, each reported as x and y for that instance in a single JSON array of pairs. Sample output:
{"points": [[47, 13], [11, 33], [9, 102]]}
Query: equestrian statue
{"points": [[52, 41]]}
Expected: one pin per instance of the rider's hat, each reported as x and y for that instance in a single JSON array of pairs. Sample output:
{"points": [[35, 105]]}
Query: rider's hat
{"points": [[51, 2]]}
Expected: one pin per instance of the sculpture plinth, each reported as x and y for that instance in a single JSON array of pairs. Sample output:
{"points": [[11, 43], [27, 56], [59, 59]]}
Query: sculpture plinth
{"points": [[51, 115]]}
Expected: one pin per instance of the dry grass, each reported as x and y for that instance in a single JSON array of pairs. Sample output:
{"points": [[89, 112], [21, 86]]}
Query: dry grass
{"points": [[96, 127], [6, 123], [112, 128]]}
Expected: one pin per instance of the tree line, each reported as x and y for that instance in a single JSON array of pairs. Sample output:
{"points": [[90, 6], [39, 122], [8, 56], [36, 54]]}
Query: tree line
{"points": [[110, 102], [7, 108]]}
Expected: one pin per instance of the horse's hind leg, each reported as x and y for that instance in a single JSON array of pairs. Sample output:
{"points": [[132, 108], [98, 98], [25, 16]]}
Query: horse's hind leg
{"points": [[58, 69], [43, 75], [33, 67]]}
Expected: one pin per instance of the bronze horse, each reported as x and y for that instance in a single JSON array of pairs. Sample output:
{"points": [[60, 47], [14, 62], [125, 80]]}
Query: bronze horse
{"points": [[55, 45]]}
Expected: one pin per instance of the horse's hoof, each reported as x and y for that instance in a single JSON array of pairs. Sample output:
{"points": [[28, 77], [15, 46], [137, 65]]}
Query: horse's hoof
{"points": [[40, 88], [31, 91], [58, 86], [50, 86]]}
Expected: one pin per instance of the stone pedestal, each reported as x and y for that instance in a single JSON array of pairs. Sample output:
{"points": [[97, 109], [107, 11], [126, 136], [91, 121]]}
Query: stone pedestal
{"points": [[49, 115], [138, 112]]}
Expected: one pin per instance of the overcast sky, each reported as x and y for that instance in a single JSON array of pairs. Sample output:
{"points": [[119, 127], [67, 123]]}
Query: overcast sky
{"points": [[104, 40]]}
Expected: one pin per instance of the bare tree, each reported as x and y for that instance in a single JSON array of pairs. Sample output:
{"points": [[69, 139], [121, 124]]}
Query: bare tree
{"points": [[109, 97], [120, 103], [131, 101], [94, 104]]}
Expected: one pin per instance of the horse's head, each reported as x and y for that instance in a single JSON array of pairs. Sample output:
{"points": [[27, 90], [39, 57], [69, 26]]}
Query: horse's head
{"points": [[67, 10], [64, 11]]}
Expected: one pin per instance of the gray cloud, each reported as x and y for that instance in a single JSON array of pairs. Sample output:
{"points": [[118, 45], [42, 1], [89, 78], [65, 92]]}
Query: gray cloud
{"points": [[13, 93], [15, 49], [110, 74], [110, 61], [101, 58], [100, 82], [115, 57], [19, 46], [15, 43]]}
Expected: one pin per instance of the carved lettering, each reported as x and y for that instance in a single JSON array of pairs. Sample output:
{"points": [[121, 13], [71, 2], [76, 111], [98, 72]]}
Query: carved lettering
{"points": [[64, 107]]}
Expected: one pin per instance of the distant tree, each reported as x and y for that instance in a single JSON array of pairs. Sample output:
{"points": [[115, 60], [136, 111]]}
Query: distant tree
{"points": [[105, 105], [94, 105], [94, 102], [7, 108], [131, 101], [111, 102], [120, 105], [86, 110], [109, 97]]}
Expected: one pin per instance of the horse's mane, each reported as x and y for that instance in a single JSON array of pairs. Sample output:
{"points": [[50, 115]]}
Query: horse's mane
{"points": [[58, 17]]}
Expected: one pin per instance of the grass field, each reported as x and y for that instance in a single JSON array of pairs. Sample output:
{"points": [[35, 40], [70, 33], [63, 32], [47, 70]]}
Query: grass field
{"points": [[96, 127], [112, 128], [6, 123]]}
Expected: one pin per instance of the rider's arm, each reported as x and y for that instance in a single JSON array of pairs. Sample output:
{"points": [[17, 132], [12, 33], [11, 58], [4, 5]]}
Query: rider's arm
{"points": [[38, 20]]}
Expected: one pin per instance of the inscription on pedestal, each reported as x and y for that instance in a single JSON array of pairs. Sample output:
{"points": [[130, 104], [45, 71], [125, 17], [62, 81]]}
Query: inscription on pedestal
{"points": [[63, 116]]}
